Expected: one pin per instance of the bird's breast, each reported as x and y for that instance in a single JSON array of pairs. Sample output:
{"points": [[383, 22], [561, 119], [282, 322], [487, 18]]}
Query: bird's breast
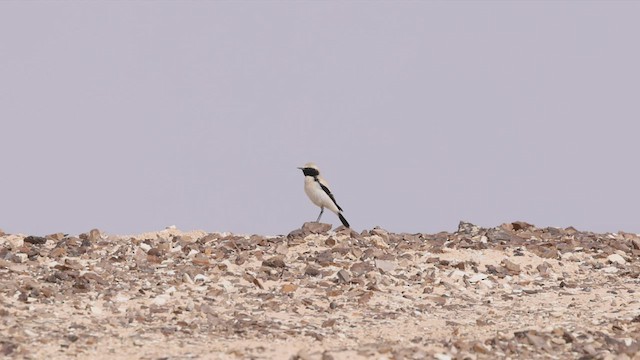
{"points": [[314, 191]]}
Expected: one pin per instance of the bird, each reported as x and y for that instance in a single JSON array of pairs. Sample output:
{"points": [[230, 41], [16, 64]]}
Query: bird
{"points": [[317, 190]]}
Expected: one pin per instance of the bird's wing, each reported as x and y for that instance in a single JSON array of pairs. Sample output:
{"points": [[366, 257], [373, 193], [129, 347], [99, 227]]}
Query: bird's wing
{"points": [[324, 185]]}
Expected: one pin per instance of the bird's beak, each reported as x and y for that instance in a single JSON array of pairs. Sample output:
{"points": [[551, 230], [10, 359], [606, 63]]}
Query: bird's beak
{"points": [[300, 168]]}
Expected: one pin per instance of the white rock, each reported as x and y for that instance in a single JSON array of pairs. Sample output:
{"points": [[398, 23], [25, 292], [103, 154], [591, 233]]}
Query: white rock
{"points": [[187, 279], [21, 257], [170, 290], [192, 253], [457, 274], [477, 277], [200, 277], [616, 258], [226, 285], [386, 266], [441, 356], [121, 298], [16, 241], [486, 284], [161, 299], [610, 269], [145, 247], [96, 310]]}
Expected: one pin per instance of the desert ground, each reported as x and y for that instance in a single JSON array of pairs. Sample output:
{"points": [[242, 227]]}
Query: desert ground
{"points": [[513, 291]]}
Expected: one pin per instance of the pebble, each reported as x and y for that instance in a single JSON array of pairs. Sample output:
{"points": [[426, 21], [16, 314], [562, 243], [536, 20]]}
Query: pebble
{"points": [[616, 259]]}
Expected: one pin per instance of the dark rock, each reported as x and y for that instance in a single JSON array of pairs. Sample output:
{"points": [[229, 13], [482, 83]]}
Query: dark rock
{"points": [[325, 258], [7, 347], [312, 270], [344, 276], [316, 227], [274, 262], [327, 356], [361, 268], [38, 240], [521, 225]]}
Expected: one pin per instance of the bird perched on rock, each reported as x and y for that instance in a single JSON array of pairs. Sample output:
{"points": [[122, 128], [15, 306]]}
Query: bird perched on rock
{"points": [[318, 192]]}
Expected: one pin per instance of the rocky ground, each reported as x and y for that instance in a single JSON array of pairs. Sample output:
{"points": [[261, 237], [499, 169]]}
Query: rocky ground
{"points": [[514, 291]]}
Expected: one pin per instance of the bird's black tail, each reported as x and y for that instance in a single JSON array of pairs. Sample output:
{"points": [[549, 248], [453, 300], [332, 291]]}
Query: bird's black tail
{"points": [[343, 220]]}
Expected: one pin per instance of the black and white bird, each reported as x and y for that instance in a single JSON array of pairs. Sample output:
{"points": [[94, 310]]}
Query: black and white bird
{"points": [[318, 192]]}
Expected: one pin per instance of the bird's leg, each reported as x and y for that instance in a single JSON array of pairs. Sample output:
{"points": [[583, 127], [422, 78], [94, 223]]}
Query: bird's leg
{"points": [[321, 211]]}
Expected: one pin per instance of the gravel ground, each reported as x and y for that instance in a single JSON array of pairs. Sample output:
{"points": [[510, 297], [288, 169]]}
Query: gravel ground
{"points": [[513, 291]]}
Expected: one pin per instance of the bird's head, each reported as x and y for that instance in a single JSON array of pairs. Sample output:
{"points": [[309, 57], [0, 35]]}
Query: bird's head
{"points": [[310, 169]]}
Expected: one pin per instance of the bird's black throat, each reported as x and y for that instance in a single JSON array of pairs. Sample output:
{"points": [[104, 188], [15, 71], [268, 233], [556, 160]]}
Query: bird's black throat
{"points": [[310, 172]]}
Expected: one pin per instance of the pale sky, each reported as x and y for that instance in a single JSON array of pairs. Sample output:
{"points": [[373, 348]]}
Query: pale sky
{"points": [[133, 116]]}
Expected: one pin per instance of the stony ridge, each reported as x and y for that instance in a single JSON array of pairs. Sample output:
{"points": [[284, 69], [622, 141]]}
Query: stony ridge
{"points": [[513, 291]]}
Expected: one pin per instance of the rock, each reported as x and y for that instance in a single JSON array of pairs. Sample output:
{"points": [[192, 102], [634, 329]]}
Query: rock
{"points": [[186, 278], [613, 258], [16, 241], [328, 323], [37, 240], [344, 276], [384, 234], [520, 225], [511, 266], [544, 269], [481, 348], [327, 356], [378, 242], [20, 258], [199, 278], [7, 347], [312, 270], [315, 227], [466, 228], [360, 268], [94, 235], [296, 235], [501, 235], [274, 262], [282, 249], [441, 356], [477, 277], [288, 288], [303, 354], [386, 266], [57, 236]]}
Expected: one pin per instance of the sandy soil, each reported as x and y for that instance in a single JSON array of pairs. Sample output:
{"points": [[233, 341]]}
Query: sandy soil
{"points": [[513, 291]]}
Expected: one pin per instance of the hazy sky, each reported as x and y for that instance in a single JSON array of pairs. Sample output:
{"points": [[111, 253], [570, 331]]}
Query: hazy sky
{"points": [[132, 116]]}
